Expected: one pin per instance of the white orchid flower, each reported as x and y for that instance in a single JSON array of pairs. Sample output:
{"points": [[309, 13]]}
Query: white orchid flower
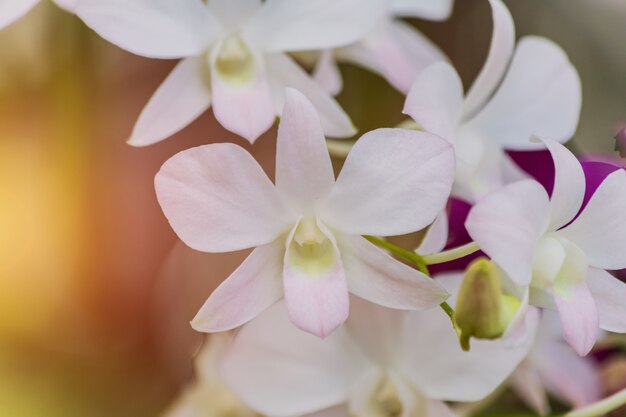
{"points": [[381, 363], [537, 92], [12, 10], [537, 240], [394, 49], [233, 56], [208, 395], [552, 366], [307, 229]]}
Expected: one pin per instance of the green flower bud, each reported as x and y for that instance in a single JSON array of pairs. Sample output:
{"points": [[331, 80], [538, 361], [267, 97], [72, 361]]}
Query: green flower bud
{"points": [[482, 310]]}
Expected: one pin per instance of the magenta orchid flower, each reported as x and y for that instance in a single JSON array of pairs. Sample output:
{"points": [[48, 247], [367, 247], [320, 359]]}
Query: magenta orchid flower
{"points": [[382, 362], [536, 92], [307, 228], [233, 56], [12, 10], [553, 367], [394, 49], [539, 241]]}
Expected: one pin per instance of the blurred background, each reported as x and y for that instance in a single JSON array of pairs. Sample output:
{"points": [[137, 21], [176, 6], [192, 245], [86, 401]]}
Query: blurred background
{"points": [[96, 293]]}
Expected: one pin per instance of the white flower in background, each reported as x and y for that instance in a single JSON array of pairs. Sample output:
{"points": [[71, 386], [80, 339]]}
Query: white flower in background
{"points": [[307, 228], [553, 367], [536, 92], [12, 10], [537, 240], [233, 56], [208, 396], [381, 363], [394, 49]]}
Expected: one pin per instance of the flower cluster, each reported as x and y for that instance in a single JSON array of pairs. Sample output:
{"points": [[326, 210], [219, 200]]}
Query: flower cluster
{"points": [[333, 318]]}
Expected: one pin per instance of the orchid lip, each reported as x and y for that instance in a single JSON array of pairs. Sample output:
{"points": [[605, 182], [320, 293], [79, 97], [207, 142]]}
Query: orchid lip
{"points": [[234, 61], [311, 250]]}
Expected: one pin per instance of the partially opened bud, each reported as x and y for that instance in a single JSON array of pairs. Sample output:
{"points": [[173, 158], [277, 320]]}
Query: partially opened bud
{"points": [[482, 310]]}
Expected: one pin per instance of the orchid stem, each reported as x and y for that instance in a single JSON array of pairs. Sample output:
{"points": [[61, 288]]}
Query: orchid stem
{"points": [[601, 407], [450, 255], [415, 259]]}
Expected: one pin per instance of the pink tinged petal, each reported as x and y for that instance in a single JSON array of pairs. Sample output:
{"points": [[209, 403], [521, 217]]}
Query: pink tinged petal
{"points": [[218, 199], [436, 236], [609, 294], [576, 306], [526, 383], [243, 105], [507, 225], [281, 371], [500, 51], [338, 411], [399, 53], [568, 376], [326, 73], [68, 5], [569, 185], [304, 173], [432, 359], [394, 181], [377, 277], [284, 72], [251, 289], [423, 9], [314, 280], [151, 28], [182, 98], [11, 10], [294, 25], [600, 230], [540, 95], [435, 100]]}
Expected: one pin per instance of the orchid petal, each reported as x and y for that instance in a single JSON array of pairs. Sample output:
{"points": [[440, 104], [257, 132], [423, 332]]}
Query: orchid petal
{"points": [[610, 296], [500, 51], [436, 236], [438, 409], [151, 28], [233, 14], [12, 10], [304, 172], [246, 106], [576, 306], [294, 25], [291, 372], [507, 225], [215, 208], [528, 385], [433, 360], [567, 375], [423, 9], [327, 74], [182, 98], [435, 100], [540, 95], [569, 185], [394, 181], [375, 276], [253, 287], [316, 291], [285, 72], [338, 411], [399, 53], [600, 230]]}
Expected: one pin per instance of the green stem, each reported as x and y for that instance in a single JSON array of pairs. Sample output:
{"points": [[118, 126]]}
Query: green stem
{"points": [[415, 259], [601, 407], [450, 255]]}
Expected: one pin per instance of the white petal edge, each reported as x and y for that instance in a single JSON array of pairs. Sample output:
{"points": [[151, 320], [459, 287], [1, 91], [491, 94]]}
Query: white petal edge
{"points": [[600, 230], [394, 182], [609, 294], [252, 288], [500, 51], [218, 199], [304, 173], [179, 100], [327, 74], [436, 235], [12, 10], [507, 225], [436, 10]]}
